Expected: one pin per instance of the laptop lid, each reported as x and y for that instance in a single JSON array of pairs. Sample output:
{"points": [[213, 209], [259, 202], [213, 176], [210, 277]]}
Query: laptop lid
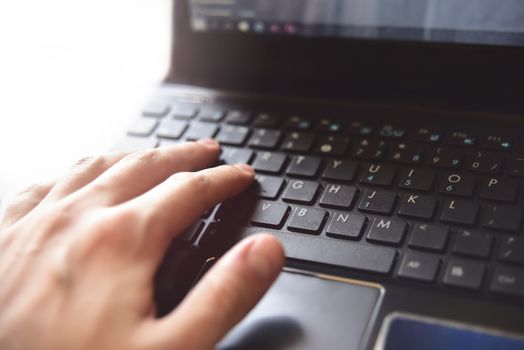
{"points": [[464, 53]]}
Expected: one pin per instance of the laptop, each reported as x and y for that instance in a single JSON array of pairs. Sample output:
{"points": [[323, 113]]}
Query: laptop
{"points": [[386, 138]]}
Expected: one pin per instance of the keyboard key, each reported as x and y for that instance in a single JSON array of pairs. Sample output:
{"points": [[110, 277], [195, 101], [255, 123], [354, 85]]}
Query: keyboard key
{"points": [[419, 266], [473, 244], [378, 175], [267, 186], [304, 166], [458, 184], [345, 225], [171, 129], [418, 206], [298, 142], [502, 218], [370, 149], [508, 281], [335, 146], [498, 143], [265, 120], [338, 196], [429, 237], [417, 179], [211, 115], [298, 123], [235, 210], [190, 235], [232, 155], [464, 274], [377, 202], [142, 127], [446, 158], [184, 111], [156, 109], [516, 167], [340, 170], [299, 191], [459, 212], [387, 231], [238, 118], [427, 135], [307, 220], [462, 139], [269, 214], [199, 130], [484, 162], [358, 129], [265, 138], [499, 189], [233, 135], [334, 252], [269, 162], [329, 125], [512, 250], [390, 131], [407, 154]]}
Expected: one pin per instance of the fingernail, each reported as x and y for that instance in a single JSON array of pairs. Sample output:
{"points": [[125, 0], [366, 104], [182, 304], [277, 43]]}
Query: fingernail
{"points": [[246, 168], [265, 257], [208, 142]]}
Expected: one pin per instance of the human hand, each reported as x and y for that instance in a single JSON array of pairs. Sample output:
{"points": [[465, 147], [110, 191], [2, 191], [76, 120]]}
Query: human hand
{"points": [[78, 257]]}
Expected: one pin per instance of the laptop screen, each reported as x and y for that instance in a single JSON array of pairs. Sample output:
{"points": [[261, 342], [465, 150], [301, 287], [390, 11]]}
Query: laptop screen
{"points": [[485, 22]]}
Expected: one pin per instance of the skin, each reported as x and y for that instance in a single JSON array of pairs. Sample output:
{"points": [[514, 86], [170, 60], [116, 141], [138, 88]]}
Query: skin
{"points": [[78, 255]]}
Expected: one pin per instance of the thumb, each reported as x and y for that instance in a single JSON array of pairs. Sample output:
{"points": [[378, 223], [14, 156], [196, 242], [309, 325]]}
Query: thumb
{"points": [[224, 296]]}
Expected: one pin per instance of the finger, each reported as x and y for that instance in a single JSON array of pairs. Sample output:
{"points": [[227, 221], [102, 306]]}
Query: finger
{"points": [[175, 204], [141, 171], [25, 201], [224, 296], [82, 173]]}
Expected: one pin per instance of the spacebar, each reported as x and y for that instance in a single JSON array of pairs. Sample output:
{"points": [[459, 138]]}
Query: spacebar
{"points": [[334, 252]]}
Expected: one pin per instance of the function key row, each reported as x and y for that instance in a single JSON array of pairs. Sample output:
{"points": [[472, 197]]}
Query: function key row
{"points": [[207, 113], [331, 145]]}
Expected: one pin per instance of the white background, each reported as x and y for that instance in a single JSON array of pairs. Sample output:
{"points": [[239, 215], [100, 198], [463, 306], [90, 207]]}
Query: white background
{"points": [[73, 75]]}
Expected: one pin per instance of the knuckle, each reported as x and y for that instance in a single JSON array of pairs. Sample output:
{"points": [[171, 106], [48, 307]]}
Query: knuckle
{"points": [[146, 156], [31, 190], [90, 162], [107, 230], [199, 180]]}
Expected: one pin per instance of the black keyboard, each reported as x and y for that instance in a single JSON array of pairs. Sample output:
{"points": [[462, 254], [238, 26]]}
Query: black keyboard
{"points": [[412, 204]]}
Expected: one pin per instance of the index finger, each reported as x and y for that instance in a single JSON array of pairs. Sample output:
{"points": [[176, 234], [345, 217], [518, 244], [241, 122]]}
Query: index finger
{"points": [[175, 204]]}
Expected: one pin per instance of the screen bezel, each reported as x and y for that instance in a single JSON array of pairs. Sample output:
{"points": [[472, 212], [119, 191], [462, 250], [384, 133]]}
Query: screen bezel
{"points": [[344, 67]]}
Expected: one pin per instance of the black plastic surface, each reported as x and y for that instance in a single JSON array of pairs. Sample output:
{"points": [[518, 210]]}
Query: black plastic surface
{"points": [[307, 313]]}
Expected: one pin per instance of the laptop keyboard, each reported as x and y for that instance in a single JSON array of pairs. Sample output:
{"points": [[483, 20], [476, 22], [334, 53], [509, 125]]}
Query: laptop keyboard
{"points": [[415, 205]]}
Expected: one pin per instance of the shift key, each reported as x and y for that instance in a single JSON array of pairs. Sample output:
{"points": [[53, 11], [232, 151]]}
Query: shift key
{"points": [[333, 252]]}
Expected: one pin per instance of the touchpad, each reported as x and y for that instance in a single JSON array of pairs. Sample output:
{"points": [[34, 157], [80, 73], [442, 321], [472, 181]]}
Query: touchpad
{"points": [[303, 311]]}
